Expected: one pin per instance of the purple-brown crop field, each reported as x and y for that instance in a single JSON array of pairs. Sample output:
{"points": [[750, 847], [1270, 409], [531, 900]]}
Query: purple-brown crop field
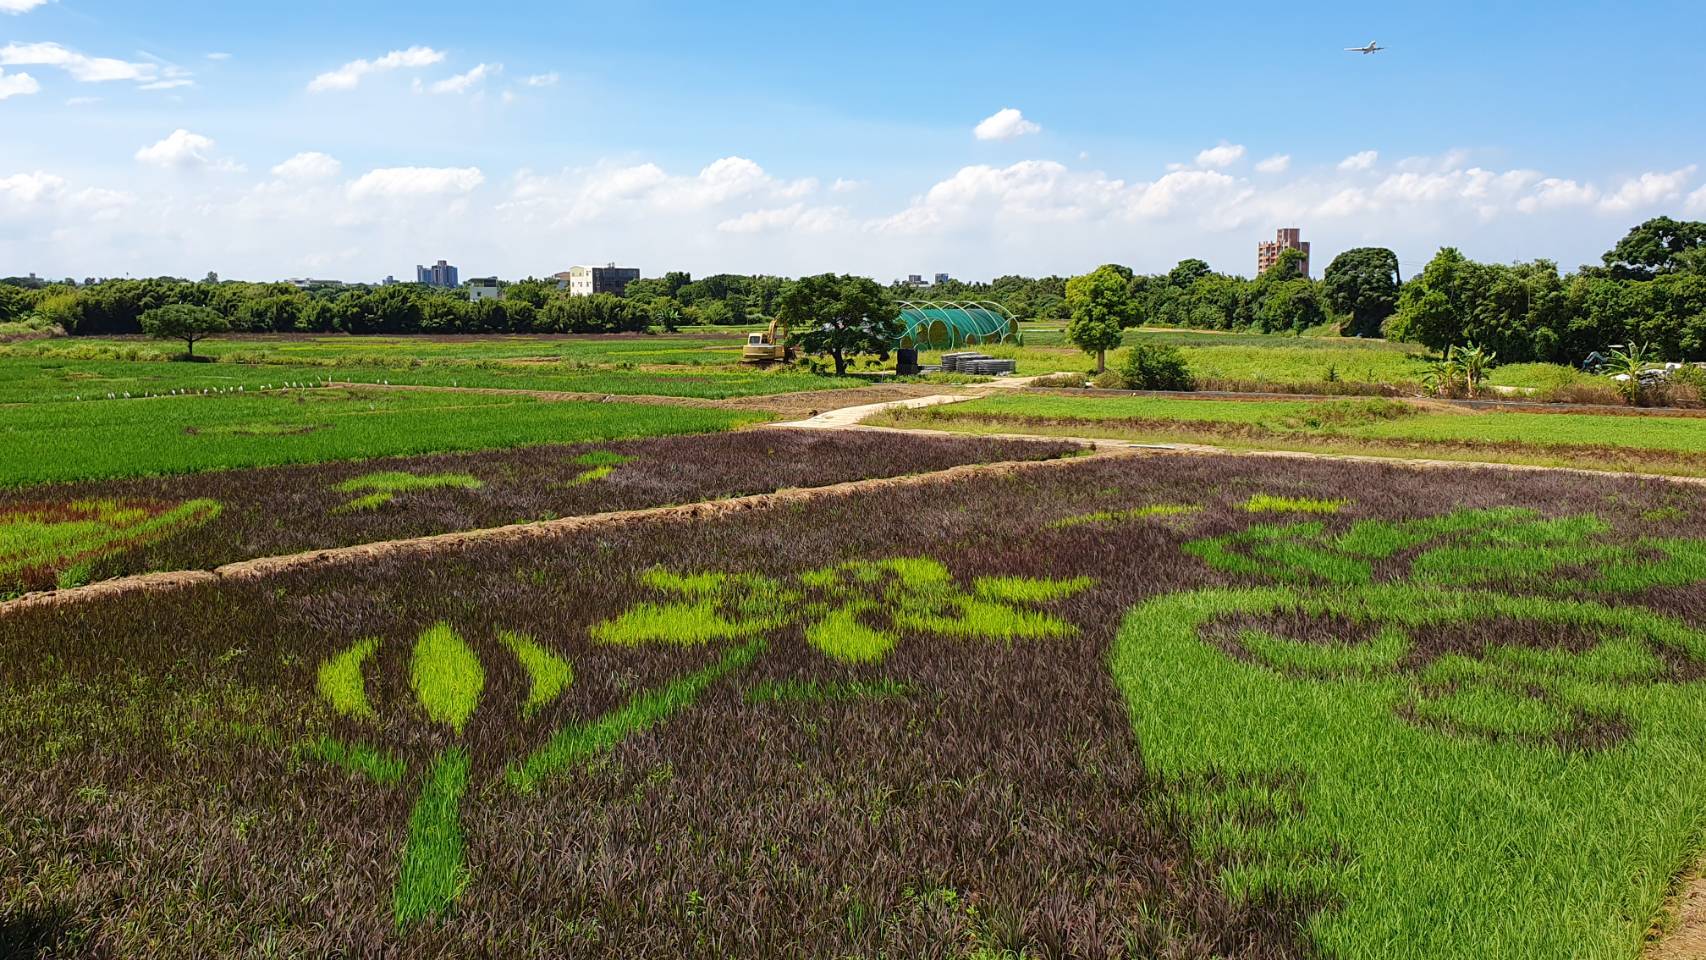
{"points": [[278, 510], [1097, 709]]}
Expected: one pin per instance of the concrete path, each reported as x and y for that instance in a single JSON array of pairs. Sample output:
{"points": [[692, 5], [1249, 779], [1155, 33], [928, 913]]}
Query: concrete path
{"points": [[852, 416]]}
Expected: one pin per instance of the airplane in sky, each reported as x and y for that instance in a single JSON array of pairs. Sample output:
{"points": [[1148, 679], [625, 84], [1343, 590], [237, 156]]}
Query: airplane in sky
{"points": [[1373, 47]]}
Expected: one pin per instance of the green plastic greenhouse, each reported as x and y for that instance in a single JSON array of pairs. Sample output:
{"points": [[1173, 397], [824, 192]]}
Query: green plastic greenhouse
{"points": [[949, 324]]}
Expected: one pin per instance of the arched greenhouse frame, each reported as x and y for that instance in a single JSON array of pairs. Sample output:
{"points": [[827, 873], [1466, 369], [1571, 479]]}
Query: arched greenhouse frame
{"points": [[951, 324]]}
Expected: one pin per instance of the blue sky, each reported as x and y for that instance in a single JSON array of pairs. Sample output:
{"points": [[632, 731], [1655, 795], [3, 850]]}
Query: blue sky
{"points": [[879, 138]]}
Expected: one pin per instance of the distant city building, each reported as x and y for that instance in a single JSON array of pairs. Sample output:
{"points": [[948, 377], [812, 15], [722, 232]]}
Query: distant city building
{"points": [[305, 283], [1288, 238], [913, 280], [482, 288], [586, 281], [942, 278], [440, 274], [388, 281]]}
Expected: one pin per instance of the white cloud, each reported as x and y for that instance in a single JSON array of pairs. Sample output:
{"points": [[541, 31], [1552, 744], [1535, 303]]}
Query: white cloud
{"points": [[172, 84], [581, 196], [311, 165], [541, 80], [30, 187], [184, 150], [348, 76], [17, 85], [82, 68], [1696, 202], [844, 185], [1359, 161], [462, 82], [219, 55], [1224, 155], [81, 101], [794, 217], [1554, 192], [1647, 189], [19, 6], [415, 182], [1278, 163], [1004, 124]]}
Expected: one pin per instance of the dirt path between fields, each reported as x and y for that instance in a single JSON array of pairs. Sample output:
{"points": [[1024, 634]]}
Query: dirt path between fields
{"points": [[1686, 938], [804, 403], [544, 529]]}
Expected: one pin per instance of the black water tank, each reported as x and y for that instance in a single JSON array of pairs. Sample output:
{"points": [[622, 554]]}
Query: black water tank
{"points": [[906, 362]]}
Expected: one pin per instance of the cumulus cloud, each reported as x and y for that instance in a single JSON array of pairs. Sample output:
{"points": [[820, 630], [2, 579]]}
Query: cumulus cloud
{"points": [[844, 185], [1278, 163], [1224, 155], [463, 82], [541, 80], [19, 6], [1004, 124], [311, 165], [183, 150], [580, 196], [84, 69], [348, 76], [1359, 161], [30, 187], [1696, 202], [794, 217], [17, 84], [415, 182], [25, 193], [1647, 190]]}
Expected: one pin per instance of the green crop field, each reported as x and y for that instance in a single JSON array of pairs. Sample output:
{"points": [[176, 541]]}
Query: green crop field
{"points": [[1667, 444], [1130, 707], [42, 442]]}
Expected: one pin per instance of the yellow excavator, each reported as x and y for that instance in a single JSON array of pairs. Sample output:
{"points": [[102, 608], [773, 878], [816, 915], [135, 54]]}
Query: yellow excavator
{"points": [[771, 346]]}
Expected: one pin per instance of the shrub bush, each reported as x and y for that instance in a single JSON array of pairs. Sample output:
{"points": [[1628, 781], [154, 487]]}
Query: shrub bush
{"points": [[1154, 366]]}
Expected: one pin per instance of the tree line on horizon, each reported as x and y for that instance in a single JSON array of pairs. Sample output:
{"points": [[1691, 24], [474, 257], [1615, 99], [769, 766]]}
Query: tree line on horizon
{"points": [[1650, 289]]}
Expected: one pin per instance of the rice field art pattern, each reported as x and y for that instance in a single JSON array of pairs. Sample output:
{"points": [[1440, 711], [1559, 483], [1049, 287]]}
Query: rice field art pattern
{"points": [[851, 613], [1435, 725], [48, 544]]}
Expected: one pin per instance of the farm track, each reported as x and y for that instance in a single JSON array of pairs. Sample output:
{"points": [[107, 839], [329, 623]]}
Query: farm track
{"points": [[544, 529]]}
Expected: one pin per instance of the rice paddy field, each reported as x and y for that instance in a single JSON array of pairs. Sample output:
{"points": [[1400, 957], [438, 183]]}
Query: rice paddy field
{"points": [[70, 534], [850, 693], [1671, 442], [1118, 706]]}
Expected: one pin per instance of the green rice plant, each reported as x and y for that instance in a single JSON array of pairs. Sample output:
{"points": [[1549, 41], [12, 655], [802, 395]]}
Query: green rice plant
{"points": [[601, 458], [57, 540], [1123, 516], [360, 759], [340, 680], [385, 485], [1268, 503], [446, 676], [434, 873], [547, 673], [578, 743]]}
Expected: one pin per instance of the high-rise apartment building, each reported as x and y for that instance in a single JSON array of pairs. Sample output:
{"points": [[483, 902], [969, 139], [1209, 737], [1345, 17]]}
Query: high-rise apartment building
{"points": [[440, 274], [1288, 238]]}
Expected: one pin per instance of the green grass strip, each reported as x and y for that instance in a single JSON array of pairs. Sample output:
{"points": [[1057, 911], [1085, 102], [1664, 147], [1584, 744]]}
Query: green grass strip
{"points": [[590, 476], [824, 691], [1120, 516], [1267, 503], [397, 481], [85, 530], [341, 683], [433, 874], [547, 673], [646, 709], [446, 675], [359, 758]]}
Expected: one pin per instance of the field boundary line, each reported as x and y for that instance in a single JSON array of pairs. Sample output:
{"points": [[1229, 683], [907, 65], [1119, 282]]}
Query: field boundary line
{"points": [[261, 567]]}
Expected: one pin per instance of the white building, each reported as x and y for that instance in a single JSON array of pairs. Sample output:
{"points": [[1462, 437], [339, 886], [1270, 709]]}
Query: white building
{"points": [[482, 288], [586, 281]]}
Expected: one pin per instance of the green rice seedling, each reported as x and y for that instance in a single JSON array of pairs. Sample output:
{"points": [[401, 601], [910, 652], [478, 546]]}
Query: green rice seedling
{"points": [[383, 487], [1123, 516], [341, 683], [1267, 503], [358, 758], [446, 676], [601, 458], [434, 872], [57, 541], [547, 673]]}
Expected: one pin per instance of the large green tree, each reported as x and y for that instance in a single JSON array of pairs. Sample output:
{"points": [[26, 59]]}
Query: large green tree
{"points": [[1101, 308], [1660, 245], [181, 321], [839, 316], [1362, 283]]}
